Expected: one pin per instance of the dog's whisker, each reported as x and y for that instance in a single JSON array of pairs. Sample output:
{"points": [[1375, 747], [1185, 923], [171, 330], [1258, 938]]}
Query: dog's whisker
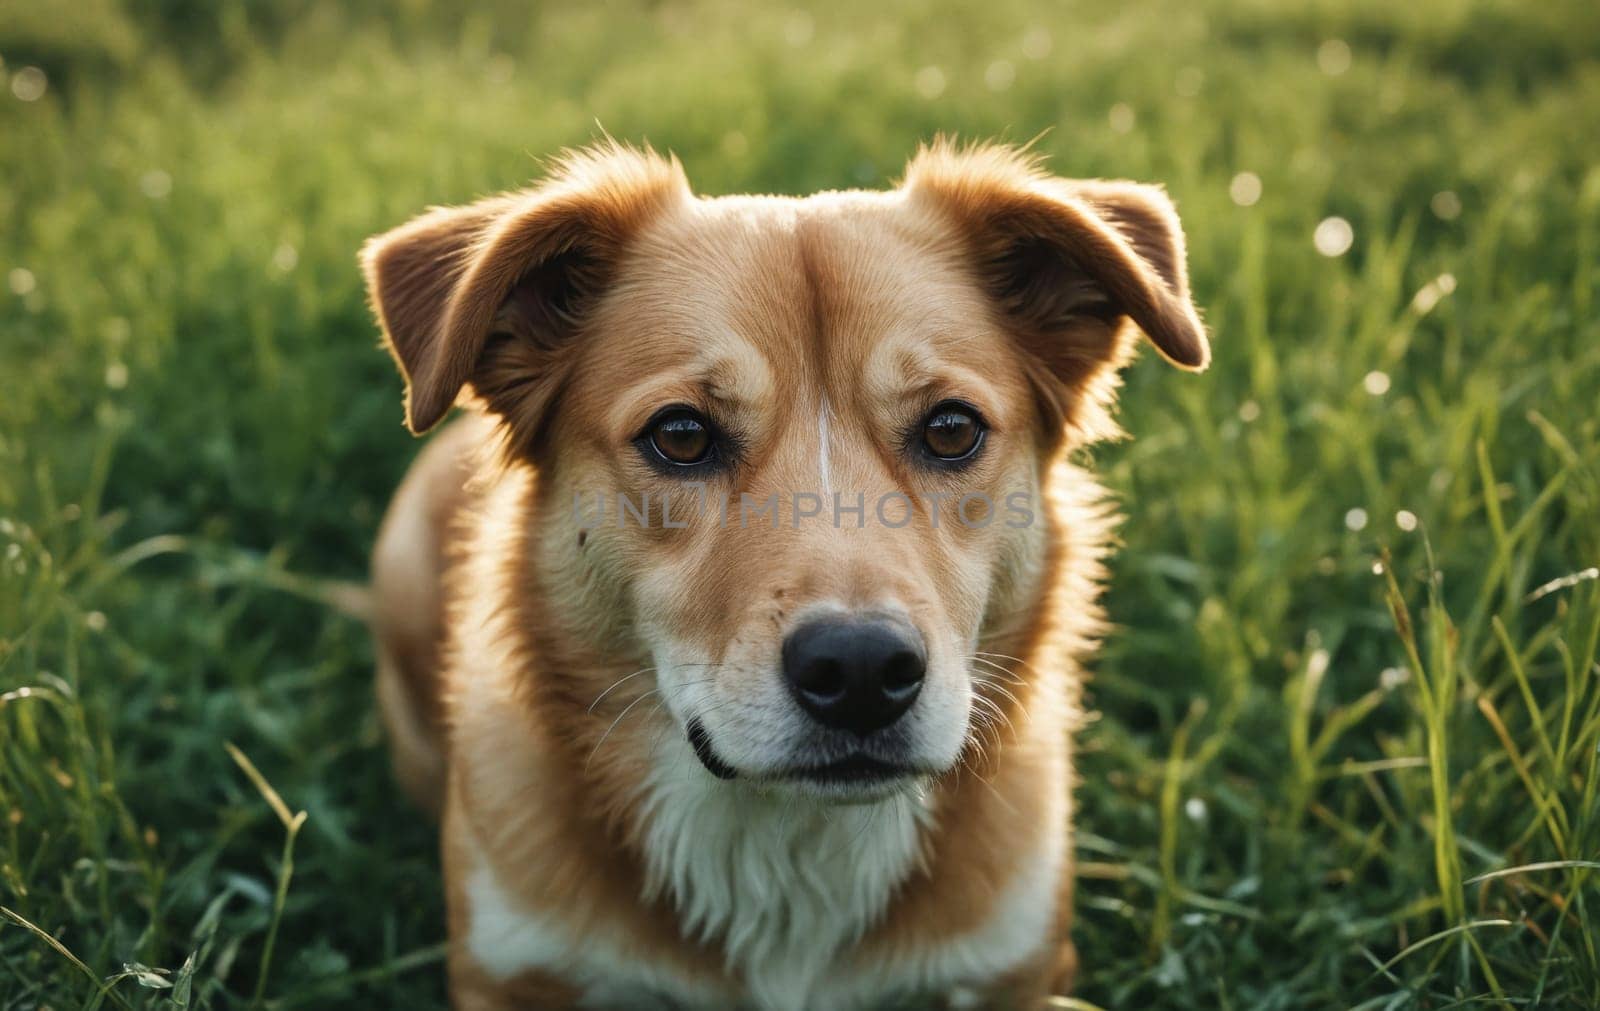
{"points": [[985, 732], [993, 707], [974, 773], [999, 689], [1005, 656], [1001, 692], [619, 719], [617, 684], [982, 755], [996, 668], [999, 797], [986, 682], [684, 684], [987, 676], [1000, 712]]}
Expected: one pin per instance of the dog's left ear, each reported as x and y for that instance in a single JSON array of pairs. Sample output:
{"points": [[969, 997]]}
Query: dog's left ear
{"points": [[1068, 261], [492, 296]]}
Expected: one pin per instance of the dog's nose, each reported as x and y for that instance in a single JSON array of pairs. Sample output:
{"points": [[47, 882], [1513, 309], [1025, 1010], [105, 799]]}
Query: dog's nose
{"points": [[858, 675]]}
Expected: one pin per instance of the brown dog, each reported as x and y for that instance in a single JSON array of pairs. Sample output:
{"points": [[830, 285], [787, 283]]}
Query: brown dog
{"points": [[736, 635]]}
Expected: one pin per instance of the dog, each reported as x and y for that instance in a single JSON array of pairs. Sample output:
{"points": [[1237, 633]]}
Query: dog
{"points": [[716, 706]]}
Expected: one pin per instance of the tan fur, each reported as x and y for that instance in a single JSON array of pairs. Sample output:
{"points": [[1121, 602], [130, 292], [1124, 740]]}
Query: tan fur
{"points": [[565, 315], [409, 560]]}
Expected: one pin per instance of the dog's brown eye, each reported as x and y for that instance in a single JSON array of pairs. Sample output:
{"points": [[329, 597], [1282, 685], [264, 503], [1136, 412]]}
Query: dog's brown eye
{"points": [[952, 432], [681, 437]]}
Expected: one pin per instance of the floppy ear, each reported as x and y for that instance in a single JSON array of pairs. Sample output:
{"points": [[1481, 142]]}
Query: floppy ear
{"points": [[522, 268], [1067, 261]]}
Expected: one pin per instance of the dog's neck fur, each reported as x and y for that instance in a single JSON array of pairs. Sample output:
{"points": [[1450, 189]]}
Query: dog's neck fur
{"points": [[779, 884]]}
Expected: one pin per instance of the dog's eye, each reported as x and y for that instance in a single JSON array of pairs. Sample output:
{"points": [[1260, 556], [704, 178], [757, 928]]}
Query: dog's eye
{"points": [[953, 431], [681, 436]]}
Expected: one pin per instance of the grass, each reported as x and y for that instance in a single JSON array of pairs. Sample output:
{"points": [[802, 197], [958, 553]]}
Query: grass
{"points": [[1349, 728]]}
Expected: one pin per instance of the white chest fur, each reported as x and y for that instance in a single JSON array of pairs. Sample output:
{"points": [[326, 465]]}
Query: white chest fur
{"points": [[785, 888], [784, 884]]}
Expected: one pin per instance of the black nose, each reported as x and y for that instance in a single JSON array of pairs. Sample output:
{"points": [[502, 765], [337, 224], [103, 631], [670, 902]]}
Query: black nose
{"points": [[858, 675]]}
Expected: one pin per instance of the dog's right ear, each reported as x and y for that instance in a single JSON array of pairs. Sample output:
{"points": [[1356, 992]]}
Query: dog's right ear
{"points": [[522, 267]]}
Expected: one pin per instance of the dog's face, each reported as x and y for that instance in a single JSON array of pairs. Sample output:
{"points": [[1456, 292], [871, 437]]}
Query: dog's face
{"points": [[791, 451], [824, 374]]}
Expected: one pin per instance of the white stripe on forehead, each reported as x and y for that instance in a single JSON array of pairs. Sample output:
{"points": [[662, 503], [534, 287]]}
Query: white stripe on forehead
{"points": [[823, 417]]}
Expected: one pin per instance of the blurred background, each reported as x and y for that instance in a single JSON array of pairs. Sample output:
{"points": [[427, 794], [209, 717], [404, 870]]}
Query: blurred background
{"points": [[1305, 754]]}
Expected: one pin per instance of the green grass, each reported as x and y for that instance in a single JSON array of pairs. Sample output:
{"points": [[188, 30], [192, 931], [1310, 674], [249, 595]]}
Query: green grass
{"points": [[1315, 737]]}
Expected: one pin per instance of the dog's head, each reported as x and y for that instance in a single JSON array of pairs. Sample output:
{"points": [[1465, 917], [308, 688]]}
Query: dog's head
{"points": [[791, 452]]}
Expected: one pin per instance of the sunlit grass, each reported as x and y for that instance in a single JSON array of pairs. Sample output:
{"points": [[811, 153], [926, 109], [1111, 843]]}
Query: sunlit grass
{"points": [[1349, 731]]}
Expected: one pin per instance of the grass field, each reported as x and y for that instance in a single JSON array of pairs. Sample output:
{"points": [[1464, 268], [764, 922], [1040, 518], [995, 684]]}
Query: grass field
{"points": [[1318, 779]]}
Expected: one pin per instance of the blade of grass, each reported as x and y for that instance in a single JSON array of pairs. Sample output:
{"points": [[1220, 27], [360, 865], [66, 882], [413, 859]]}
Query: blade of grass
{"points": [[291, 825], [102, 989]]}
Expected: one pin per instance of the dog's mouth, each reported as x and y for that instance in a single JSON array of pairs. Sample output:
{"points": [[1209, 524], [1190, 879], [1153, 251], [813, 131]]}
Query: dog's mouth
{"points": [[701, 742], [856, 770]]}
